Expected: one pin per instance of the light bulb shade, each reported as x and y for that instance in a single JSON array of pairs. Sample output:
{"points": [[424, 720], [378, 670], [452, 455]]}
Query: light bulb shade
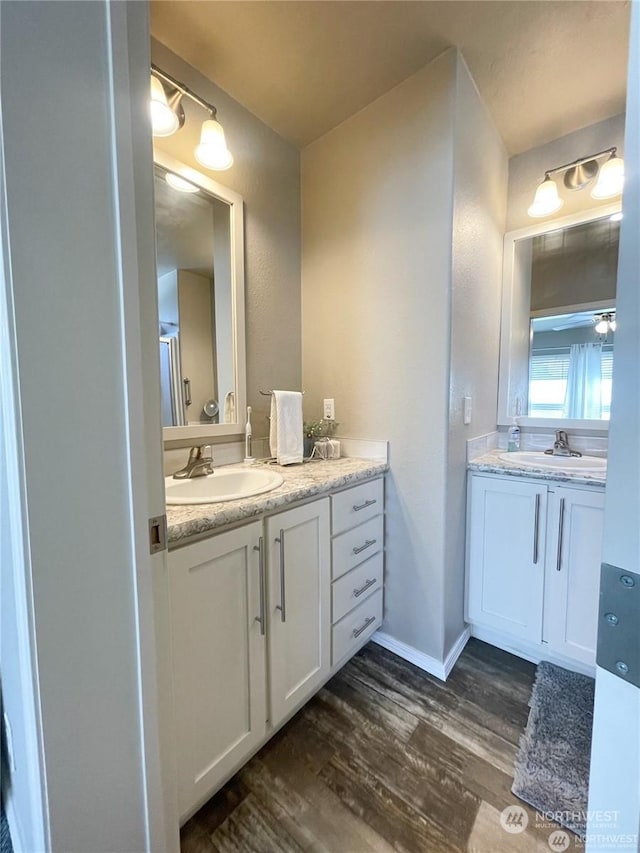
{"points": [[611, 178], [612, 325], [212, 153], [602, 327], [164, 120], [546, 200], [180, 184]]}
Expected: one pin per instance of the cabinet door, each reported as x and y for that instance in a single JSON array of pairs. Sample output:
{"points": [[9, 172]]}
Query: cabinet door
{"points": [[505, 578], [218, 659], [574, 554], [299, 605]]}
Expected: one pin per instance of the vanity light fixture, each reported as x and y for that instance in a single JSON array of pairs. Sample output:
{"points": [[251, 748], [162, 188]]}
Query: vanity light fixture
{"points": [[577, 175], [605, 322], [180, 184], [167, 116]]}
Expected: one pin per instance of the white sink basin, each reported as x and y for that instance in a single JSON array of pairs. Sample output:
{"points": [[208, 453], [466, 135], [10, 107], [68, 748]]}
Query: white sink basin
{"points": [[536, 459], [221, 486]]}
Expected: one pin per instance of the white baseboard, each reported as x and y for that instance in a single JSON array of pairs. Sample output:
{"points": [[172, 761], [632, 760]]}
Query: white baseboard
{"points": [[433, 666], [529, 651], [456, 651]]}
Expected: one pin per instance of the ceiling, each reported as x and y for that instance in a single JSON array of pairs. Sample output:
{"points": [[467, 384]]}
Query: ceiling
{"points": [[544, 67]]}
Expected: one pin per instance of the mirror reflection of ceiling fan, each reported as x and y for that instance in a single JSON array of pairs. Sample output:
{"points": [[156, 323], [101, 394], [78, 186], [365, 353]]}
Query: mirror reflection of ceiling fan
{"points": [[604, 321]]}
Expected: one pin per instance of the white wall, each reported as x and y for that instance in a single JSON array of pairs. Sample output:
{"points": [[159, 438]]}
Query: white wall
{"points": [[266, 172], [398, 332], [527, 170], [615, 754], [480, 187], [86, 566]]}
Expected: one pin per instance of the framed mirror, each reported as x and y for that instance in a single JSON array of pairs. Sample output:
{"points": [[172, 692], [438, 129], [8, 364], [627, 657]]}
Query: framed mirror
{"points": [[200, 270], [558, 321]]}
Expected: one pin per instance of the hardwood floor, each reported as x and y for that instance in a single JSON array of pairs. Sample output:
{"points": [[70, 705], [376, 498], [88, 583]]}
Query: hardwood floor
{"points": [[384, 758]]}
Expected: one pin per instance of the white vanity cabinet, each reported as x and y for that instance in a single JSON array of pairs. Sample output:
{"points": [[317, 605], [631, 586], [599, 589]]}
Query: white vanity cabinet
{"points": [[299, 624], [576, 518], [357, 563], [506, 542], [218, 651], [533, 566], [252, 628]]}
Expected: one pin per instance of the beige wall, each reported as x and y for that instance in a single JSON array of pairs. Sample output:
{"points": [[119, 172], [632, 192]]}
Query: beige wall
{"points": [[527, 170], [376, 220], [266, 172], [398, 331], [480, 189]]}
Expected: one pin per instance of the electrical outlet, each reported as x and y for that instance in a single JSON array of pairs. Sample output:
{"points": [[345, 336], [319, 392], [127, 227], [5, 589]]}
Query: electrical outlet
{"points": [[329, 409]]}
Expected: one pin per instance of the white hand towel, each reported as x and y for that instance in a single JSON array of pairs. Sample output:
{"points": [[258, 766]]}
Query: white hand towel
{"points": [[285, 434]]}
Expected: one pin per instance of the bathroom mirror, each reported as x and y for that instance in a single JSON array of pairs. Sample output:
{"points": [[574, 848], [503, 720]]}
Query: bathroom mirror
{"points": [[200, 269], [558, 321]]}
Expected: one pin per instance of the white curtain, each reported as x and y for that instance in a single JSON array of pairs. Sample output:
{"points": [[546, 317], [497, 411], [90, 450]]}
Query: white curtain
{"points": [[583, 398]]}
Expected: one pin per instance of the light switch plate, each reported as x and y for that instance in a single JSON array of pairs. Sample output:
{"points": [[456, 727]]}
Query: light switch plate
{"points": [[466, 417]]}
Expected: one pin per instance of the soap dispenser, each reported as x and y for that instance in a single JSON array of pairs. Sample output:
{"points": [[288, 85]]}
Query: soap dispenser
{"points": [[514, 437]]}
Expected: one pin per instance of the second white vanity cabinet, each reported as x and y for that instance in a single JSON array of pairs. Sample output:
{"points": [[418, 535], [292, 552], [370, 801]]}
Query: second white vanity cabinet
{"points": [[533, 566]]}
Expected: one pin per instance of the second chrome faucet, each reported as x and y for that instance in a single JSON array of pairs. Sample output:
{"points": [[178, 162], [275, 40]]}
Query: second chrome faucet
{"points": [[561, 446]]}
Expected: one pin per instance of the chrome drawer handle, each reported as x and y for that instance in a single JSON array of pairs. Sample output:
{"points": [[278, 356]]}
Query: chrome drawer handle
{"points": [[282, 606], [367, 584], [536, 527], [358, 507], [560, 536], [367, 622], [367, 544], [260, 549]]}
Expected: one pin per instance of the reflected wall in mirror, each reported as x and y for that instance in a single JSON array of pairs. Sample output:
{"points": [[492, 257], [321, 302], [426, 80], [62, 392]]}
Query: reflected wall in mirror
{"points": [[558, 321], [200, 302]]}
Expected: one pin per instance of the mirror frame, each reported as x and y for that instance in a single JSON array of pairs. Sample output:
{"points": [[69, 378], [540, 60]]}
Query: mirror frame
{"points": [[510, 386], [236, 230]]}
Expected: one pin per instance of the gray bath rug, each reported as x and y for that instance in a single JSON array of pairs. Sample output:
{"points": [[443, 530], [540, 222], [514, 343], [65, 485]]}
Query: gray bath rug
{"points": [[551, 771]]}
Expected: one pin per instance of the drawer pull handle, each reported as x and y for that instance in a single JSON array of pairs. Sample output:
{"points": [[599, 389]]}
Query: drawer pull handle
{"points": [[282, 606], [358, 507], [560, 535], [367, 584], [367, 544], [536, 527], [357, 631], [260, 549]]}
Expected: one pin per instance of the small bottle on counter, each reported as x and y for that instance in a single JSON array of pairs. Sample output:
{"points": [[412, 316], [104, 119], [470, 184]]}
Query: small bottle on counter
{"points": [[514, 437]]}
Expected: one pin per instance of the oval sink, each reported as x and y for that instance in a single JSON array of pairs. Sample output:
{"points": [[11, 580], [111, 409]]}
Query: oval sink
{"points": [[221, 486], [535, 459]]}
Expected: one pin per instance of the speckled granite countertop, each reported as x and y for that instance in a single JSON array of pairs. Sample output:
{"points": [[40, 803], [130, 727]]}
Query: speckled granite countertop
{"points": [[491, 463], [300, 482]]}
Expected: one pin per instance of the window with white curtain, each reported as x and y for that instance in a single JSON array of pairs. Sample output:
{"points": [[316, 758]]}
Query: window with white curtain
{"points": [[548, 372]]}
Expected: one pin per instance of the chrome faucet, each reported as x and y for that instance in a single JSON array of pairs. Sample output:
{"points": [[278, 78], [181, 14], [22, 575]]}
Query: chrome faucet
{"points": [[561, 446], [199, 464]]}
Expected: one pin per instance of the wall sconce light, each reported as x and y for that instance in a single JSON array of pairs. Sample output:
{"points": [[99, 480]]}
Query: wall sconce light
{"points": [[577, 175], [605, 323], [167, 117]]}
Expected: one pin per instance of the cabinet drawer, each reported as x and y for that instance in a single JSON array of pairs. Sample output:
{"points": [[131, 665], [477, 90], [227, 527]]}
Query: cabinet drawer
{"points": [[356, 626], [356, 505], [354, 587], [357, 545]]}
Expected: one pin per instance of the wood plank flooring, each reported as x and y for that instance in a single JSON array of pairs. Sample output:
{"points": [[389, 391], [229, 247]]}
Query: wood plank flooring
{"points": [[385, 757]]}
